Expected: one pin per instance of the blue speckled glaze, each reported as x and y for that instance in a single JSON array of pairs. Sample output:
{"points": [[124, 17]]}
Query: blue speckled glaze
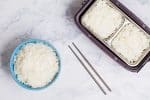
{"points": [[13, 58]]}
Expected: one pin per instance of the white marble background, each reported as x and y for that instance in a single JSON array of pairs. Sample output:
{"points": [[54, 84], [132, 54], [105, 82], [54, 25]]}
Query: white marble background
{"points": [[52, 20]]}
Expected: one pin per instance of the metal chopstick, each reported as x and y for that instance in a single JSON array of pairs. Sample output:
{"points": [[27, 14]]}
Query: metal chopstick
{"points": [[87, 70], [92, 67]]}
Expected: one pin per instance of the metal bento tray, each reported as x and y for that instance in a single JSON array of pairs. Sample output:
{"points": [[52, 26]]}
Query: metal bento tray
{"points": [[128, 15]]}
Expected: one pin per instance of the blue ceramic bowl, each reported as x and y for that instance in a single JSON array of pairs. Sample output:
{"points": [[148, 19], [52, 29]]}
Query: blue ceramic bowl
{"points": [[17, 50]]}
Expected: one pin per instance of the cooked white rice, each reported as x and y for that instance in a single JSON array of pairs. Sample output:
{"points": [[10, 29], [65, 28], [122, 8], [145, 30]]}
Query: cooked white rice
{"points": [[131, 42], [102, 19], [36, 65]]}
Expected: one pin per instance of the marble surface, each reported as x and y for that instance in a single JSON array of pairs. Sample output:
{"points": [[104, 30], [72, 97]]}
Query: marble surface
{"points": [[52, 20]]}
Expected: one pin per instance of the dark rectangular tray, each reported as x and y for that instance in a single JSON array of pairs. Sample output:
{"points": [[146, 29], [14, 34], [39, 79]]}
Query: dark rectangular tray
{"points": [[84, 8]]}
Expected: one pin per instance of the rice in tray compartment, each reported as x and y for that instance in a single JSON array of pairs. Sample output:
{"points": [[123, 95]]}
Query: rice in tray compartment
{"points": [[36, 65], [132, 43], [102, 19]]}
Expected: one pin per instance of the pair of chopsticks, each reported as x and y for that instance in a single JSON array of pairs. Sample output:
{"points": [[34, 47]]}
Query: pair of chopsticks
{"points": [[93, 69]]}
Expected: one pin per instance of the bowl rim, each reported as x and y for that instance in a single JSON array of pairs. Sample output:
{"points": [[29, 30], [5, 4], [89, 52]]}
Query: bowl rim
{"points": [[16, 51]]}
